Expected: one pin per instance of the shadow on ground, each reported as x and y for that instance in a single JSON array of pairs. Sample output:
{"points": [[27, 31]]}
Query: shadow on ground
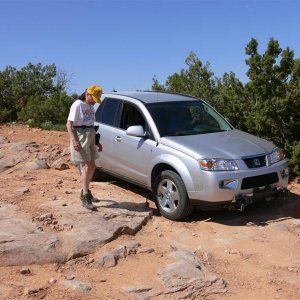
{"points": [[258, 213], [146, 194], [131, 206]]}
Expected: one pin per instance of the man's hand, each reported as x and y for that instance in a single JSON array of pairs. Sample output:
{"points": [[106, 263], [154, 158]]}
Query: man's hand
{"points": [[76, 145], [99, 147]]}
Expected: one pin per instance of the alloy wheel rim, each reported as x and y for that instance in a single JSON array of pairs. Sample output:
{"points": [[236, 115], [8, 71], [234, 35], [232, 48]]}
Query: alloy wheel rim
{"points": [[168, 196]]}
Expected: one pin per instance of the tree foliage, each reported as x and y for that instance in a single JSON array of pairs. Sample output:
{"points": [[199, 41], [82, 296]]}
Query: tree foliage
{"points": [[52, 109], [275, 96], [197, 80], [231, 101], [35, 93]]}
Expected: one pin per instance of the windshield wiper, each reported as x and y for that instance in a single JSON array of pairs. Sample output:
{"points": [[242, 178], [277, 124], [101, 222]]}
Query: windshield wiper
{"points": [[212, 131]]}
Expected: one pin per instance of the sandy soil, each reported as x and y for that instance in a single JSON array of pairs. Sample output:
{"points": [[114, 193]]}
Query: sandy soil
{"points": [[256, 252]]}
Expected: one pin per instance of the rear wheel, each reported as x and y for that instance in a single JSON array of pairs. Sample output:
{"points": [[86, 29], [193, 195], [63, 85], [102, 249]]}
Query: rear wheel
{"points": [[171, 196]]}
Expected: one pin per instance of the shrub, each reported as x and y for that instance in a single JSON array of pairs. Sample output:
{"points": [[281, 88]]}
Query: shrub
{"points": [[294, 161], [46, 111]]}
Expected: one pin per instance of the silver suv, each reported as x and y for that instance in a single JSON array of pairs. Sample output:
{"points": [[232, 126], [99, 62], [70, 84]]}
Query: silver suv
{"points": [[186, 153]]}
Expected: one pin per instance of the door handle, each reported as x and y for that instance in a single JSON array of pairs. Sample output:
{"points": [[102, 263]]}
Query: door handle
{"points": [[118, 138]]}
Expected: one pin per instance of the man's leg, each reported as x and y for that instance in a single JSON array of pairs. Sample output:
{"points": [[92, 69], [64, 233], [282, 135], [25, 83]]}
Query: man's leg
{"points": [[85, 196], [85, 177], [91, 170]]}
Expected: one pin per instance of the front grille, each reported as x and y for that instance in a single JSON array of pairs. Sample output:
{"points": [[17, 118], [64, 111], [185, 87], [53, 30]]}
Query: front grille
{"points": [[257, 181], [255, 162]]}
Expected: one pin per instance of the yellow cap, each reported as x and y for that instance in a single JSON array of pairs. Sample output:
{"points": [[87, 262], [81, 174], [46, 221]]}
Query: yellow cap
{"points": [[95, 91]]}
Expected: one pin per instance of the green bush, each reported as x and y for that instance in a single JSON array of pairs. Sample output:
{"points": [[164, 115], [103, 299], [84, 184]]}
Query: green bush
{"points": [[294, 161], [5, 115], [43, 111]]}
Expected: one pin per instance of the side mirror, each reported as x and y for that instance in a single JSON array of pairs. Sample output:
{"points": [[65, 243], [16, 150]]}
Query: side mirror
{"points": [[136, 130]]}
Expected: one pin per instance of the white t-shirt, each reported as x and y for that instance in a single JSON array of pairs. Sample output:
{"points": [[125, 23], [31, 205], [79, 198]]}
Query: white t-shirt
{"points": [[82, 113]]}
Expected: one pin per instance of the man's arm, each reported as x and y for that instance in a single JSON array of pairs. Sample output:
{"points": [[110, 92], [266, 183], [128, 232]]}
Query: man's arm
{"points": [[73, 138]]}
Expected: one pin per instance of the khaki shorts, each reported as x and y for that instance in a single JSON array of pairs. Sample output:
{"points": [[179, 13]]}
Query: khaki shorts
{"points": [[88, 151]]}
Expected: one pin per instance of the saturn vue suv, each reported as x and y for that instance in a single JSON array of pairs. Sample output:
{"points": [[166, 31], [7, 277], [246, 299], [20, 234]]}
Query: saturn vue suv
{"points": [[186, 153]]}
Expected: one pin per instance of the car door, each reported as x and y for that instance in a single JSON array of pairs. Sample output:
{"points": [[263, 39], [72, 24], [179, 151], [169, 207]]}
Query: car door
{"points": [[106, 118], [132, 154]]}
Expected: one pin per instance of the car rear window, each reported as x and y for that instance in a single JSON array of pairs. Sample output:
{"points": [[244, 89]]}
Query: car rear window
{"points": [[107, 111]]}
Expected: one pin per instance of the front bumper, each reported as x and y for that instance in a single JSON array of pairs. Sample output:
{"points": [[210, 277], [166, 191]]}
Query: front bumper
{"points": [[243, 186]]}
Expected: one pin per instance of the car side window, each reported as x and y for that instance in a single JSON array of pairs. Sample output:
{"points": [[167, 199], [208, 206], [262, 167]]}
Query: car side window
{"points": [[107, 111], [131, 116]]}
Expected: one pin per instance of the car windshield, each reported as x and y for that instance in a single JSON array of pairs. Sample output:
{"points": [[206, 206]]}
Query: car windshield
{"points": [[179, 118]]}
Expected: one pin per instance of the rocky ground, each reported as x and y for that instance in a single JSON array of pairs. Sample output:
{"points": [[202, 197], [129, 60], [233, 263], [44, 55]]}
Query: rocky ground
{"points": [[52, 248]]}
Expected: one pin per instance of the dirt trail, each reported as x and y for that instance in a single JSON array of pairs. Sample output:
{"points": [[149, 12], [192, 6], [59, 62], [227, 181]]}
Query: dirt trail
{"points": [[255, 252]]}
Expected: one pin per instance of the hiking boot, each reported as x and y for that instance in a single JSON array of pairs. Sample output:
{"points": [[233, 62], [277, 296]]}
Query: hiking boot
{"points": [[93, 199], [86, 201]]}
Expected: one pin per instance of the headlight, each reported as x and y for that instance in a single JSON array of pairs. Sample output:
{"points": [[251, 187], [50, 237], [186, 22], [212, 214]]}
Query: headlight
{"points": [[276, 155], [217, 164]]}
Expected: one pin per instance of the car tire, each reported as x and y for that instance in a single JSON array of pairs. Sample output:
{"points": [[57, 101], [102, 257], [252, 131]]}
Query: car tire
{"points": [[171, 196]]}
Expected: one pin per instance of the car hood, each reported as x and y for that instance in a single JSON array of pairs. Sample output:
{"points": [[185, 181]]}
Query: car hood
{"points": [[233, 144]]}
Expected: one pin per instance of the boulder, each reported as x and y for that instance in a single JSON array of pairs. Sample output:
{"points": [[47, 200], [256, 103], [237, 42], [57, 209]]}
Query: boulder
{"points": [[34, 165], [189, 276]]}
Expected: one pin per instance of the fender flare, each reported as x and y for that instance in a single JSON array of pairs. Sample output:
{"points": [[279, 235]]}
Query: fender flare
{"points": [[176, 164]]}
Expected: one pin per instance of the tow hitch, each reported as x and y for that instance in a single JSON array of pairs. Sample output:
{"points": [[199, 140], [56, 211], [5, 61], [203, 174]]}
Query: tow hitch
{"points": [[267, 194], [240, 203]]}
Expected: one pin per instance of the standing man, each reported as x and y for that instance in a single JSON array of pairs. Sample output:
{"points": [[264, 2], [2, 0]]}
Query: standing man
{"points": [[82, 133]]}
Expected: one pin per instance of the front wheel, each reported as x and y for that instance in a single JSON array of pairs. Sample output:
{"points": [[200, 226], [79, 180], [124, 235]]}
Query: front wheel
{"points": [[171, 196]]}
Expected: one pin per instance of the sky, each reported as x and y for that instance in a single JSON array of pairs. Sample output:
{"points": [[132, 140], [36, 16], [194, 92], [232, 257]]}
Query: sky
{"points": [[122, 44]]}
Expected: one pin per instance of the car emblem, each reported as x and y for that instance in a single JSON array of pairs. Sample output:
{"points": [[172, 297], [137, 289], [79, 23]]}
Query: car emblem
{"points": [[256, 162]]}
